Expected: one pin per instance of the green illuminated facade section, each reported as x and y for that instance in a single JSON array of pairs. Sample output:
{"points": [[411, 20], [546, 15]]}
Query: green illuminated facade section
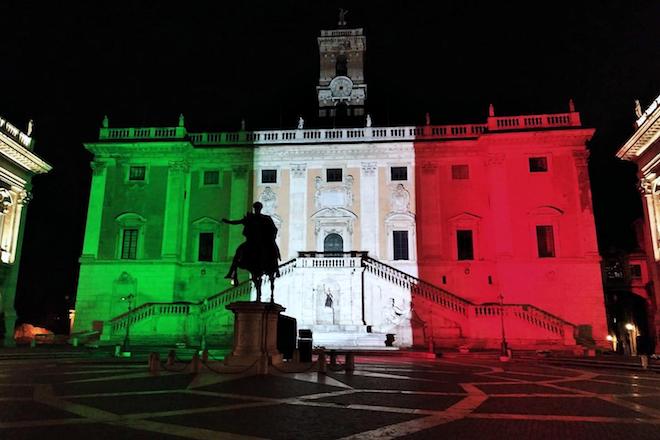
{"points": [[153, 231]]}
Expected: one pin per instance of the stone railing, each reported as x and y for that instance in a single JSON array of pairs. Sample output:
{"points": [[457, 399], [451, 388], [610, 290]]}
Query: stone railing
{"points": [[347, 135], [449, 301], [142, 133], [499, 123], [525, 312], [419, 287], [148, 310], [16, 134]]}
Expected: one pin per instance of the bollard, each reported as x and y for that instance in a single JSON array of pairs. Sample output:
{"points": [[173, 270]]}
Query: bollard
{"points": [[194, 363], [74, 342], [296, 356], [350, 362], [205, 355], [321, 361], [333, 359], [171, 358], [117, 350], [154, 363], [33, 343]]}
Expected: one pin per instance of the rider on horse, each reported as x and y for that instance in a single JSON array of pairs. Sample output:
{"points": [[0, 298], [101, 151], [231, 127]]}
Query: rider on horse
{"points": [[259, 254]]}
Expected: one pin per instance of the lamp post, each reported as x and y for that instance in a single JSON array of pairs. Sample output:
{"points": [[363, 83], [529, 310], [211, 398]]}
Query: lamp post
{"points": [[504, 348], [128, 298]]}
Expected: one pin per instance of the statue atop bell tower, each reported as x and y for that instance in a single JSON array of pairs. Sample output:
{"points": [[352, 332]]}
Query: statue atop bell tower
{"points": [[341, 90]]}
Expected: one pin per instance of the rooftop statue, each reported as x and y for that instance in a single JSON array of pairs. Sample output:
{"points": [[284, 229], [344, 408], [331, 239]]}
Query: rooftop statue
{"points": [[342, 17]]}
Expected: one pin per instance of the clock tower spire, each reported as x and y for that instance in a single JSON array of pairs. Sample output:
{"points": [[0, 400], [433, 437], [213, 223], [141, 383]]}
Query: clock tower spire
{"points": [[342, 91]]}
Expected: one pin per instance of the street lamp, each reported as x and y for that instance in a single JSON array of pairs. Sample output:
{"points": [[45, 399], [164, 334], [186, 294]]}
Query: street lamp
{"points": [[128, 298], [504, 348]]}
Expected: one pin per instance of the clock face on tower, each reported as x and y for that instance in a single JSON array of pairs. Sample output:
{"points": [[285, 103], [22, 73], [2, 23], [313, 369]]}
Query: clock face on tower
{"points": [[341, 86]]}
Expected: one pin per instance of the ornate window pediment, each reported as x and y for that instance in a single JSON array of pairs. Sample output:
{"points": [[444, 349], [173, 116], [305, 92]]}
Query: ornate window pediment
{"points": [[465, 217], [334, 194], [548, 211], [128, 219]]}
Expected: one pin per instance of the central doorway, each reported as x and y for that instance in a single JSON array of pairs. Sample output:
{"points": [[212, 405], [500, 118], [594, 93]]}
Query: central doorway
{"points": [[333, 245]]}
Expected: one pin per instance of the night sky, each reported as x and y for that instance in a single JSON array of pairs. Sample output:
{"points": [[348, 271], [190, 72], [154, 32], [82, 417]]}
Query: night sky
{"points": [[66, 65]]}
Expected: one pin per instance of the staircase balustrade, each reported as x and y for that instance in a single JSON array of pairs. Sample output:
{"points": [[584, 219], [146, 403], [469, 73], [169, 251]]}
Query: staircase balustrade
{"points": [[330, 260]]}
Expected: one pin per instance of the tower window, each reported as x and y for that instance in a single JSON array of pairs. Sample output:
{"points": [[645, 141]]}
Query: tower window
{"points": [[333, 175], [400, 242], [268, 176], [538, 164], [636, 271], [460, 172], [137, 173], [399, 173], [341, 67], [205, 246], [211, 177], [545, 240], [129, 244], [464, 244]]}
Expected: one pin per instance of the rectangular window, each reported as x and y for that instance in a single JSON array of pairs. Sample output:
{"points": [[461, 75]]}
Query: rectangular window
{"points": [[205, 246], [129, 244], [211, 177], [460, 172], [268, 176], [464, 244], [538, 164], [545, 240], [636, 271], [137, 173], [399, 173], [400, 240], [333, 175]]}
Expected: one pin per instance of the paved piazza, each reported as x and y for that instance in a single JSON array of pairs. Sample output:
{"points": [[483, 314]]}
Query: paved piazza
{"points": [[46, 393]]}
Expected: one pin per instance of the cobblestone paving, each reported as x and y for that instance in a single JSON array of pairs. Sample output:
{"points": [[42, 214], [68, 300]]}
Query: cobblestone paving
{"points": [[46, 394]]}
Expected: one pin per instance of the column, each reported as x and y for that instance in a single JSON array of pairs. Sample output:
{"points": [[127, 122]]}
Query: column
{"points": [[369, 224], [174, 204], [95, 209], [9, 286], [297, 210]]}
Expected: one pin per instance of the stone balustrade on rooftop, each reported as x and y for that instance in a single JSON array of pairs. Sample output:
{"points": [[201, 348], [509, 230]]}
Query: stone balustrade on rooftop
{"points": [[348, 135], [15, 134]]}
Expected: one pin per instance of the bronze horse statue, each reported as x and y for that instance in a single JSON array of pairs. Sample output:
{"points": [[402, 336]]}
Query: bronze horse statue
{"points": [[259, 253]]}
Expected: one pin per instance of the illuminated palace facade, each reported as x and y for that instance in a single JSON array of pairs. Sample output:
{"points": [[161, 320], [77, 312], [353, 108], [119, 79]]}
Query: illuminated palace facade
{"points": [[18, 164], [406, 235]]}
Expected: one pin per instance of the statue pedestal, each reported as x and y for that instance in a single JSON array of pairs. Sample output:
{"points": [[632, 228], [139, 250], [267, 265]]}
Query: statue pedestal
{"points": [[255, 335]]}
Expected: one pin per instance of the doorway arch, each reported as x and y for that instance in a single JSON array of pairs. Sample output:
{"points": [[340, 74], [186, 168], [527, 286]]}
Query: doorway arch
{"points": [[333, 244]]}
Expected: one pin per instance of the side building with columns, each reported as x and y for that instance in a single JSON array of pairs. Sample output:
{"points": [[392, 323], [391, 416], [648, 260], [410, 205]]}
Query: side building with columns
{"points": [[643, 149], [18, 164]]}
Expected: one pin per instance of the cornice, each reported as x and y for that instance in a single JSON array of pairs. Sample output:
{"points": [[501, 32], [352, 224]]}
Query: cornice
{"points": [[23, 157]]}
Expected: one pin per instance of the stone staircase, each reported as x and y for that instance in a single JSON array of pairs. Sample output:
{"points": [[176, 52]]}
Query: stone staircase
{"points": [[438, 316], [449, 320]]}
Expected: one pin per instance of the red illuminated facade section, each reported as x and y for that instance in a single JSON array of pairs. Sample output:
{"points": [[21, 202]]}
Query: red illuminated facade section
{"points": [[505, 209]]}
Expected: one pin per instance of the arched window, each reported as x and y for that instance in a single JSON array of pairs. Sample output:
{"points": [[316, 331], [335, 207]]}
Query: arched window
{"points": [[333, 243], [341, 67]]}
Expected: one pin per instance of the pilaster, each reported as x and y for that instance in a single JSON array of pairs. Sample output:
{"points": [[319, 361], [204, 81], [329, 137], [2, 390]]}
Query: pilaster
{"points": [[369, 224], [297, 209], [174, 207], [496, 165], [238, 204], [95, 209]]}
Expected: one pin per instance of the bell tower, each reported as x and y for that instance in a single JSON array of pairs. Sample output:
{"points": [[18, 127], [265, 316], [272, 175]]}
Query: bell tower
{"points": [[341, 90]]}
